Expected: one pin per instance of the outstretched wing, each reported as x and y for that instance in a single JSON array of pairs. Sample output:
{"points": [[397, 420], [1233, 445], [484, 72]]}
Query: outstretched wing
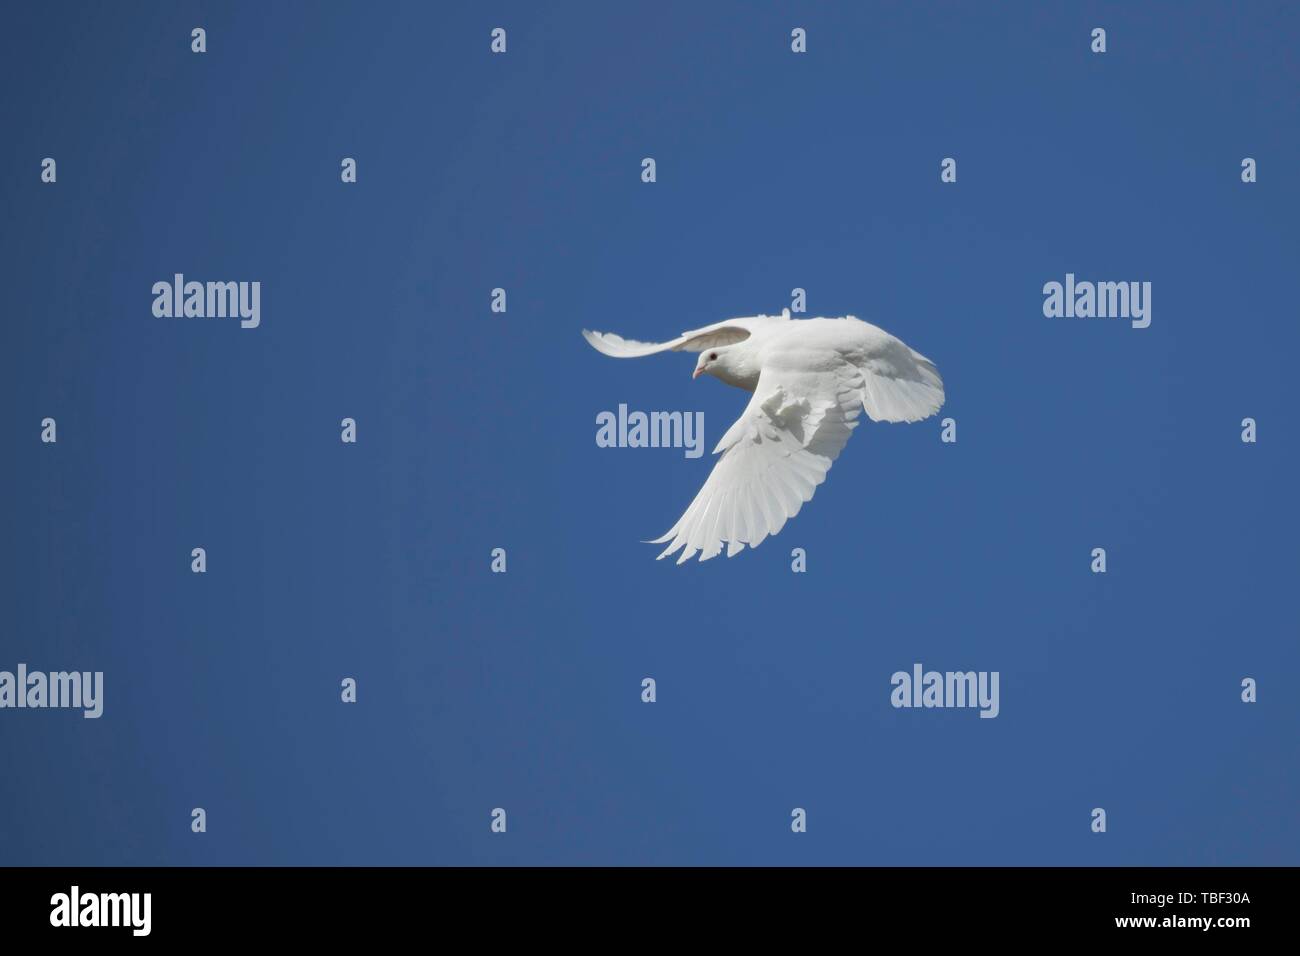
{"points": [[773, 459], [697, 340]]}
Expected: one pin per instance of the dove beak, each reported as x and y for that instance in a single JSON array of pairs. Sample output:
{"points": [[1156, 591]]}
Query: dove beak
{"points": [[699, 370]]}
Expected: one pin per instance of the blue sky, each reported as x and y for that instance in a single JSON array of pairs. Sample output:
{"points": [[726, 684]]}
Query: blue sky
{"points": [[477, 430]]}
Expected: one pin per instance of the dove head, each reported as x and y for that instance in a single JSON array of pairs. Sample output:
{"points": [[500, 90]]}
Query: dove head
{"points": [[730, 363], [711, 362]]}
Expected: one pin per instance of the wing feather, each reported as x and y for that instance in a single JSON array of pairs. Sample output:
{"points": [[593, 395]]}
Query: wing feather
{"points": [[728, 332], [773, 459], [899, 385]]}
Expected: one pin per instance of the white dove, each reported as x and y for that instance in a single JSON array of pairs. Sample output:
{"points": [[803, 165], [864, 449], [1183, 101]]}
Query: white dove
{"points": [[810, 378]]}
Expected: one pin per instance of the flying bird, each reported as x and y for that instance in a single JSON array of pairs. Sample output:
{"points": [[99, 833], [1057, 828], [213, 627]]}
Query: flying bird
{"points": [[810, 379]]}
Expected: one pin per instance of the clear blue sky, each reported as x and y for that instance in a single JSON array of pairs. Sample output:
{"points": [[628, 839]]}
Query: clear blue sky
{"points": [[477, 430]]}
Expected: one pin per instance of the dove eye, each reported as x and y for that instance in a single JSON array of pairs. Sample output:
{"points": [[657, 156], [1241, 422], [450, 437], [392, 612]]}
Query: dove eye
{"points": [[713, 356]]}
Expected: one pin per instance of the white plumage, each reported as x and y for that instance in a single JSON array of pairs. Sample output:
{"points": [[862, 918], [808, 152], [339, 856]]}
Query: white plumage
{"points": [[810, 379]]}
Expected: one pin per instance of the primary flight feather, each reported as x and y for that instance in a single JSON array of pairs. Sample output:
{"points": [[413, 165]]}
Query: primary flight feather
{"points": [[810, 379]]}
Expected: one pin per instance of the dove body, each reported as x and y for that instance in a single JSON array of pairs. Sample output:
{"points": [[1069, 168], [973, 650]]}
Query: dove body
{"points": [[815, 344]]}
